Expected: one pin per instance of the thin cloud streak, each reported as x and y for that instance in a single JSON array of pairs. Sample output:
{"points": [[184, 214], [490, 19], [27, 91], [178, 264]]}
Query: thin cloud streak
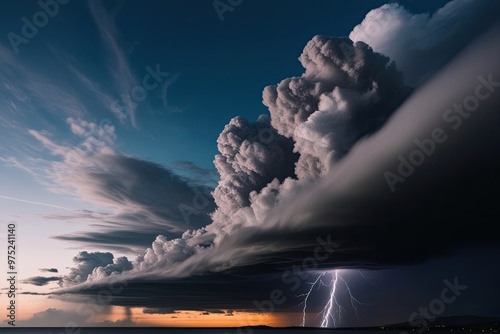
{"points": [[37, 203]]}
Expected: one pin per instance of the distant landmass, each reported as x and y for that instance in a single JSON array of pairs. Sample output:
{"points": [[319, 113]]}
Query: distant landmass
{"points": [[455, 323], [474, 323]]}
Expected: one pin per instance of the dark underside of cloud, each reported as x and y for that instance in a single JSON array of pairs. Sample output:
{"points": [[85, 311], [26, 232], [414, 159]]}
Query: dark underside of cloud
{"points": [[214, 291], [430, 219]]}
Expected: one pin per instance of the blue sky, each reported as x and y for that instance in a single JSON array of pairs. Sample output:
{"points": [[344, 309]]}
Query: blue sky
{"points": [[112, 113], [206, 63]]}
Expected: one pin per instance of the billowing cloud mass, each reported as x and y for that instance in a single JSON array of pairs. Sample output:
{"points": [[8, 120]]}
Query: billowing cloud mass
{"points": [[346, 92], [264, 163], [251, 156], [422, 43], [298, 180]]}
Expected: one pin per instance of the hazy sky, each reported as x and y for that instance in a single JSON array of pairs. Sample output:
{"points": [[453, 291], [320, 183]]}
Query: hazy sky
{"points": [[201, 151]]}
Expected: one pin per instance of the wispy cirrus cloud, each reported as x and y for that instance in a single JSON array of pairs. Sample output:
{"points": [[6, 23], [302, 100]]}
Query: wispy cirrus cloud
{"points": [[97, 92], [35, 202], [118, 64], [14, 162], [31, 99]]}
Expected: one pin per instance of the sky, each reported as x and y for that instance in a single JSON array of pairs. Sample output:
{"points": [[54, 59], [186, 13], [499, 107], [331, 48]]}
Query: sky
{"points": [[233, 163]]}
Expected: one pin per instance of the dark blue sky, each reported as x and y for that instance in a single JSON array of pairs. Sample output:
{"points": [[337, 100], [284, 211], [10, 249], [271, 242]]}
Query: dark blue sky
{"points": [[109, 118], [221, 67]]}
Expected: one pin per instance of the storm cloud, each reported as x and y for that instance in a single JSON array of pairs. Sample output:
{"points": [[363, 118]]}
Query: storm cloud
{"points": [[317, 179], [346, 92]]}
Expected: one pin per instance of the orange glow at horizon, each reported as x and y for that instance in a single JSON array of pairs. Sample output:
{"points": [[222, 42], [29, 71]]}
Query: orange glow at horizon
{"points": [[30, 305], [197, 319]]}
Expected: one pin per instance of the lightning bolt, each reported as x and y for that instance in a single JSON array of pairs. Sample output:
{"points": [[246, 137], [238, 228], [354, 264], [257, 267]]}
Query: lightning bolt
{"points": [[331, 313], [306, 297], [327, 310]]}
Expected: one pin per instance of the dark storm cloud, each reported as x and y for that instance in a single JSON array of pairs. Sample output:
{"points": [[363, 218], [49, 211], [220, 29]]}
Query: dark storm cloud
{"points": [[445, 204], [40, 280], [210, 293], [49, 270], [355, 205]]}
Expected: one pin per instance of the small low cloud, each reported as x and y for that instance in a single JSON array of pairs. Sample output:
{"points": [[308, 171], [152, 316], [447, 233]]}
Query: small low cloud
{"points": [[40, 280], [158, 310]]}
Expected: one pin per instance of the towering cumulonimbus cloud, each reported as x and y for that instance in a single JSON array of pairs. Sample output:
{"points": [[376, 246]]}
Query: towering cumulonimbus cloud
{"points": [[346, 92], [269, 217]]}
